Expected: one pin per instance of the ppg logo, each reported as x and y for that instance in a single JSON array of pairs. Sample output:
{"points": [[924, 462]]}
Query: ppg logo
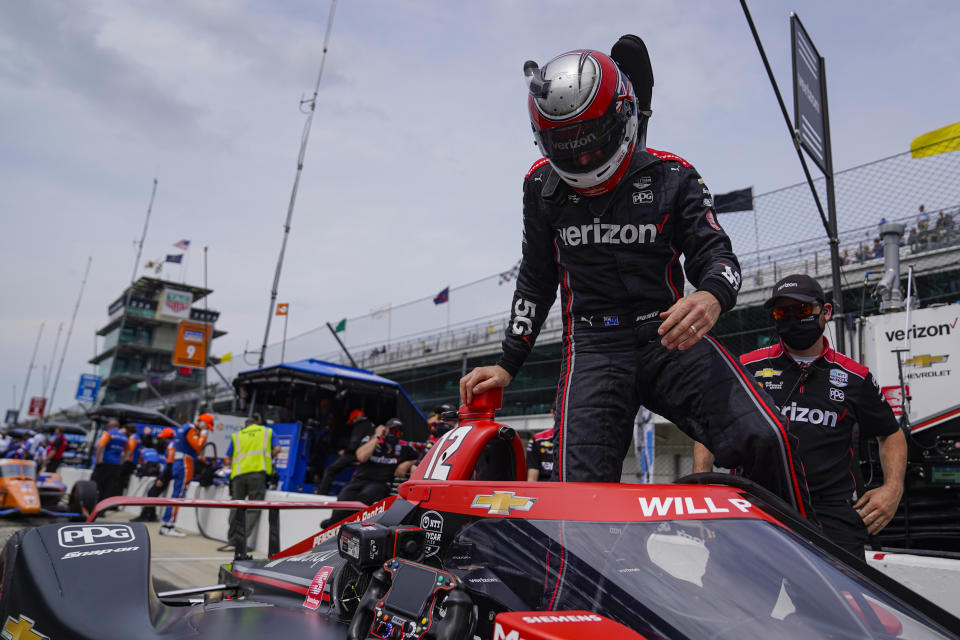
{"points": [[85, 535]]}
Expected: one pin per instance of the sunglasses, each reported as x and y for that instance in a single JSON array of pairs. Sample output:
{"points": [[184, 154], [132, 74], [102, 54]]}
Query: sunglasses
{"points": [[801, 310]]}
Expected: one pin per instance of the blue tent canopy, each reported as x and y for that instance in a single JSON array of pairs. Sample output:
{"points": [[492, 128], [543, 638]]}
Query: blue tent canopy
{"points": [[299, 386]]}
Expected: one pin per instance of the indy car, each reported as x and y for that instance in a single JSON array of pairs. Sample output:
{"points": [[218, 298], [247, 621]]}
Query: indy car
{"points": [[25, 492], [469, 550]]}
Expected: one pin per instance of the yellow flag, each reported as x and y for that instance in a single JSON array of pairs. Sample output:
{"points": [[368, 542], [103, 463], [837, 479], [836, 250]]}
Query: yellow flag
{"points": [[937, 141], [227, 357]]}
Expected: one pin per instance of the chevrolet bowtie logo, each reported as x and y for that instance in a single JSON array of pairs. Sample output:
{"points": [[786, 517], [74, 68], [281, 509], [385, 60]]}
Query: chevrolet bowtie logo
{"points": [[925, 360], [501, 502], [21, 629], [767, 373]]}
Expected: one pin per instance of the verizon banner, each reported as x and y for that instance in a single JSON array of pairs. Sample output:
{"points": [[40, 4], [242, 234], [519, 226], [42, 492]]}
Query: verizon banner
{"points": [[929, 367]]}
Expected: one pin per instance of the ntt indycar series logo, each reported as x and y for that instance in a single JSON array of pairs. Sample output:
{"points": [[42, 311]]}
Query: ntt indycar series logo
{"points": [[603, 233], [811, 416]]}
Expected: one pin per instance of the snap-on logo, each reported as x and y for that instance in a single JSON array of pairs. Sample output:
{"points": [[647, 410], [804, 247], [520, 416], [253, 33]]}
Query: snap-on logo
{"points": [[85, 535], [598, 233]]}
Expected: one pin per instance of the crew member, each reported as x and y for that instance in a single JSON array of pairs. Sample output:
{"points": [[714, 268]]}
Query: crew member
{"points": [[826, 395], [187, 444], [382, 456], [540, 456], [163, 470], [607, 220], [437, 427], [250, 456], [360, 427], [55, 450], [106, 470], [131, 455]]}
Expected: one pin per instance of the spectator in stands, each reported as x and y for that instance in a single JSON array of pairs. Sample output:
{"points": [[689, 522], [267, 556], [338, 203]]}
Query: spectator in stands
{"points": [[382, 456], [360, 428], [944, 226], [923, 221], [877, 248], [845, 256], [5, 442], [913, 240]]}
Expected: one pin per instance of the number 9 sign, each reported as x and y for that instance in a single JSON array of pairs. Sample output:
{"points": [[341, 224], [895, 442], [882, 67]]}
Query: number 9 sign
{"points": [[191, 347]]}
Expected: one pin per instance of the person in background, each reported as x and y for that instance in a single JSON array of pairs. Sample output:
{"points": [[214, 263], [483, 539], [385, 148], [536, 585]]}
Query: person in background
{"points": [[37, 445], [360, 427], [131, 455], [250, 456], [540, 454], [188, 443], [382, 456], [54, 453], [436, 429], [5, 442], [164, 467], [18, 451], [643, 444], [109, 456], [826, 395]]}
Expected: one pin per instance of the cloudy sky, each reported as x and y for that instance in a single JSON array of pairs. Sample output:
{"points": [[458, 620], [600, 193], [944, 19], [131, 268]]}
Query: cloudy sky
{"points": [[419, 143]]}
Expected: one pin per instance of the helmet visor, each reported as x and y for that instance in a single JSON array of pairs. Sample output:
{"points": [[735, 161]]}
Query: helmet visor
{"points": [[585, 146]]}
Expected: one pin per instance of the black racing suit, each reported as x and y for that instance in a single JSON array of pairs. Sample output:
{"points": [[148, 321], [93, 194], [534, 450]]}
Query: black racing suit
{"points": [[616, 258], [825, 400]]}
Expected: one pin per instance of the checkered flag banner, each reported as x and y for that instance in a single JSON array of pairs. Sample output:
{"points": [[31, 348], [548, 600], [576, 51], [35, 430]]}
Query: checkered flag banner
{"points": [[509, 274]]}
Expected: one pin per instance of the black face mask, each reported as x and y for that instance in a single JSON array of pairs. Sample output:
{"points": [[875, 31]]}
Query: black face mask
{"points": [[800, 333]]}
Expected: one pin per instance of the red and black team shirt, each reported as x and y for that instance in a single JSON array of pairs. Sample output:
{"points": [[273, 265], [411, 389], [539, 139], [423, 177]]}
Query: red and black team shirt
{"points": [[540, 454], [824, 401]]}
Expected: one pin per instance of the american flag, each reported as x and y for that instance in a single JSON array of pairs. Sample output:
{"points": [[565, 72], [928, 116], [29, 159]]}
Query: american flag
{"points": [[183, 244]]}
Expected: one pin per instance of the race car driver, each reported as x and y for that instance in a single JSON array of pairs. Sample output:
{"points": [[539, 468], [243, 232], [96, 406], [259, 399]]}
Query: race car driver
{"points": [[826, 394], [607, 219], [187, 444]]}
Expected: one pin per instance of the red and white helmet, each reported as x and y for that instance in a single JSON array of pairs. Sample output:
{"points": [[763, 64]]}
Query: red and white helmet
{"points": [[583, 111]]}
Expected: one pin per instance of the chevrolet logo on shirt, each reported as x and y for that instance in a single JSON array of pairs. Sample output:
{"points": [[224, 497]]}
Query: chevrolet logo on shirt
{"points": [[767, 373], [501, 502], [925, 360]]}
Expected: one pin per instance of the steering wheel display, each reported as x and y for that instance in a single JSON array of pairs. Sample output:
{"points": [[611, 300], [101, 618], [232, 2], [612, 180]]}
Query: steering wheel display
{"points": [[402, 601]]}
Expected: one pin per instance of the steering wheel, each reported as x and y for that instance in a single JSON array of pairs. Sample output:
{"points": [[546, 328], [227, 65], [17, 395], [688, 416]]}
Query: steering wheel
{"points": [[444, 614]]}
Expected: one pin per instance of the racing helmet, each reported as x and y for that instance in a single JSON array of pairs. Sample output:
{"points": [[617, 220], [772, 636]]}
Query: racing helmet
{"points": [[585, 118], [166, 432]]}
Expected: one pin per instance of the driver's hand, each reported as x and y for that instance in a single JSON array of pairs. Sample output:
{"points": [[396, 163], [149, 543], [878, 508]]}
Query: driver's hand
{"points": [[483, 379], [380, 431], [688, 320]]}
